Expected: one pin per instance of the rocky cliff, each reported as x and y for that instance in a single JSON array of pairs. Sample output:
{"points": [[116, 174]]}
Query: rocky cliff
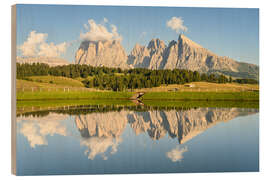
{"points": [[180, 54], [186, 54], [102, 53]]}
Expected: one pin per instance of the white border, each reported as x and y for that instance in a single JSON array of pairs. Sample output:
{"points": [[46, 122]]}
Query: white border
{"points": [[5, 99]]}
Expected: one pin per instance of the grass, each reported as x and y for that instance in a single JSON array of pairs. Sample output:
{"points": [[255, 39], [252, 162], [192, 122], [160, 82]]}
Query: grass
{"points": [[72, 95], [57, 80], [25, 86], [62, 88], [39, 105], [50, 92], [208, 96], [204, 87]]}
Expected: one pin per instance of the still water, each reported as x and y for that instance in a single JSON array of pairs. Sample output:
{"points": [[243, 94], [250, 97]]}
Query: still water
{"points": [[98, 140]]}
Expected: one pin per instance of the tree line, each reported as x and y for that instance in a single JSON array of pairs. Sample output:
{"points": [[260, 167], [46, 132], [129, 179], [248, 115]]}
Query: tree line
{"points": [[117, 79]]}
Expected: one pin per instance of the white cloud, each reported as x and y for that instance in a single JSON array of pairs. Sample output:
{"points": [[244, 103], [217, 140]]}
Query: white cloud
{"points": [[176, 154], [105, 20], [36, 45], [52, 50], [177, 24], [29, 47], [99, 32]]}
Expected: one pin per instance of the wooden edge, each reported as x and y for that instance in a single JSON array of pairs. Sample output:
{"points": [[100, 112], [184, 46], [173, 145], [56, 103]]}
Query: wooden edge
{"points": [[13, 89]]}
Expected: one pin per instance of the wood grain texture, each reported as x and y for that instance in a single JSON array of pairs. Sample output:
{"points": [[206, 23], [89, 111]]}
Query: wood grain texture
{"points": [[13, 89]]}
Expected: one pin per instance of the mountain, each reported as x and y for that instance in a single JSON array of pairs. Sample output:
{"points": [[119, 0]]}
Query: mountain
{"points": [[46, 60], [186, 54], [102, 53], [150, 57], [180, 54]]}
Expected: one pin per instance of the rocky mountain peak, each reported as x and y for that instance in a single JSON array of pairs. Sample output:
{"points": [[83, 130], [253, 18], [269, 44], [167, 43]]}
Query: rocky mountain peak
{"points": [[102, 53], [156, 44], [184, 40], [181, 54]]}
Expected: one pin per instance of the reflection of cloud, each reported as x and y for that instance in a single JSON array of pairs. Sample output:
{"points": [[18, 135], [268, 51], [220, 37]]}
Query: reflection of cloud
{"points": [[36, 129], [97, 146], [176, 154]]}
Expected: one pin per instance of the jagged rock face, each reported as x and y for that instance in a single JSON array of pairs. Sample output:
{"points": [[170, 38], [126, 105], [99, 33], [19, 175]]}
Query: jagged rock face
{"points": [[186, 54], [102, 53], [147, 57], [181, 54], [45, 60]]}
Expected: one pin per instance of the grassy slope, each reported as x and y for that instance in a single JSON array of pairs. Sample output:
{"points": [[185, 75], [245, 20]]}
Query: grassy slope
{"points": [[205, 87], [56, 88], [57, 80], [61, 88], [50, 84], [49, 81]]}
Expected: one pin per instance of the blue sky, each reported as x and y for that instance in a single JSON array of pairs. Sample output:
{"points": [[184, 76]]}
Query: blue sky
{"points": [[224, 31]]}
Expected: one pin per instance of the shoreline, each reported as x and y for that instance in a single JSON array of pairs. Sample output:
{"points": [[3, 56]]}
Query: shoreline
{"points": [[156, 96]]}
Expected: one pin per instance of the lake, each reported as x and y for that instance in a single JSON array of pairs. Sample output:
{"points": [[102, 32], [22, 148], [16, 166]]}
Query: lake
{"points": [[98, 139]]}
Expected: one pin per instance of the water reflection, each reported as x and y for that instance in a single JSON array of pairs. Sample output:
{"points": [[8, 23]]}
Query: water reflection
{"points": [[36, 129], [176, 154], [180, 124], [101, 128]]}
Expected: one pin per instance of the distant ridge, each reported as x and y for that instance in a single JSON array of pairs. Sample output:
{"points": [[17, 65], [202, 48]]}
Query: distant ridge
{"points": [[46, 60]]}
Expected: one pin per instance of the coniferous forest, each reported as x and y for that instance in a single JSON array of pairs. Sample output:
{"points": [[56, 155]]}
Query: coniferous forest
{"points": [[117, 79]]}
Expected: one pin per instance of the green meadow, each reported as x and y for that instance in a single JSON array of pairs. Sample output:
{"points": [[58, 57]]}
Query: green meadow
{"points": [[72, 95], [37, 93], [207, 96]]}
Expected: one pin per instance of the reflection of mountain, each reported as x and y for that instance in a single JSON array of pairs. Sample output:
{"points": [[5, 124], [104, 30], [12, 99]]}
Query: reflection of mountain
{"points": [[111, 124], [183, 125], [101, 131]]}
